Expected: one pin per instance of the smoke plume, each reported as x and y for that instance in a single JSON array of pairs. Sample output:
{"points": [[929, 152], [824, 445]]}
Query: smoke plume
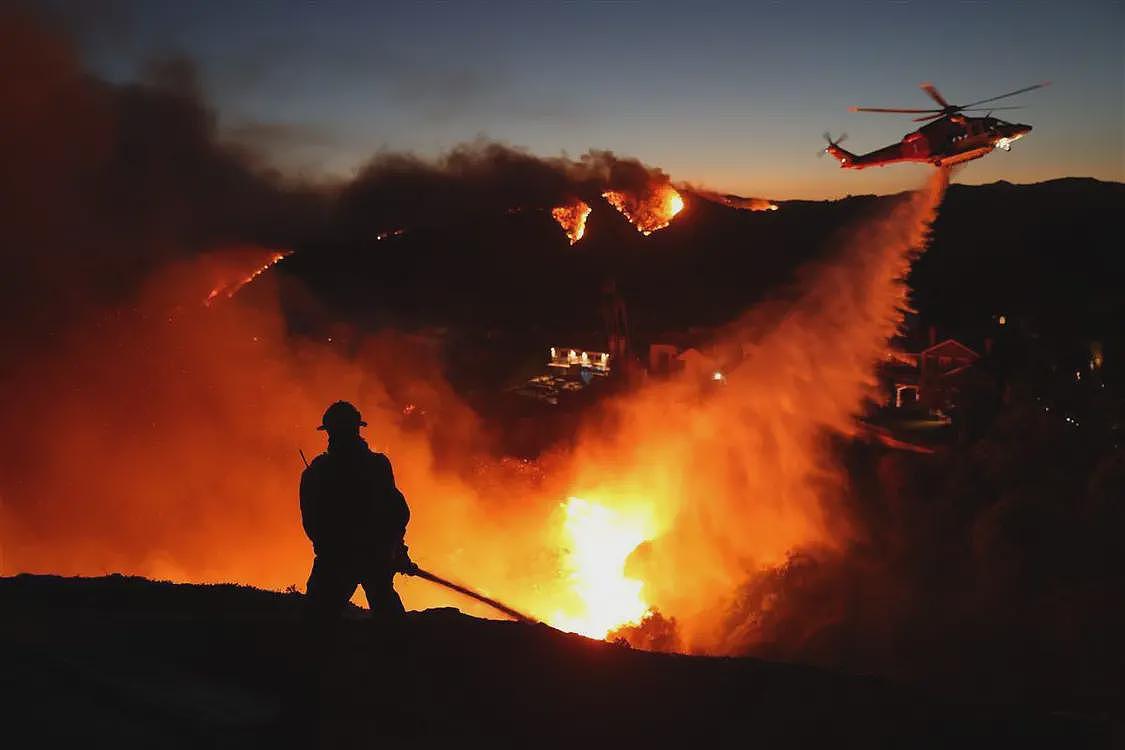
{"points": [[482, 178]]}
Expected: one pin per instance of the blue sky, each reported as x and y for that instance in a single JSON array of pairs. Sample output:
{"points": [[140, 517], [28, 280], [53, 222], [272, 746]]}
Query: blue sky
{"points": [[734, 96]]}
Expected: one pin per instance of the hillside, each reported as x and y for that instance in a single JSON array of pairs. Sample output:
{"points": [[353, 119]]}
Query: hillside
{"points": [[1045, 252], [158, 664]]}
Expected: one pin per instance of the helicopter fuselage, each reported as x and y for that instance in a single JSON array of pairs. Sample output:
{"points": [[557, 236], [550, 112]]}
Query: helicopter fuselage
{"points": [[946, 141]]}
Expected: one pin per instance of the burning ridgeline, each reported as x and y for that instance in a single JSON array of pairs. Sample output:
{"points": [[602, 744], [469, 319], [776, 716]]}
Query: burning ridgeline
{"points": [[396, 191], [656, 207], [650, 209], [232, 278]]}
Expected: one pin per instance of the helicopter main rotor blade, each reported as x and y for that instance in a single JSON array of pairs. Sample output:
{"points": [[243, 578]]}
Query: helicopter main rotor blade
{"points": [[933, 92], [884, 109], [1010, 93], [929, 117], [988, 109]]}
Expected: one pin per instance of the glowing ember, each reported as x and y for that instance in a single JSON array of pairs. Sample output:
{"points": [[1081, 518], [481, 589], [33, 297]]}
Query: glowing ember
{"points": [[600, 540], [654, 211], [572, 218], [231, 288]]}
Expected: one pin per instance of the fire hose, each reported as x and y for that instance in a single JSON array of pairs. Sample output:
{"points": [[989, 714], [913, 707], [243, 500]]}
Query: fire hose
{"points": [[514, 614], [414, 570]]}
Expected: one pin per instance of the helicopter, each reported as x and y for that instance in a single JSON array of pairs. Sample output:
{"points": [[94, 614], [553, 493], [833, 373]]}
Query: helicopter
{"points": [[950, 137]]}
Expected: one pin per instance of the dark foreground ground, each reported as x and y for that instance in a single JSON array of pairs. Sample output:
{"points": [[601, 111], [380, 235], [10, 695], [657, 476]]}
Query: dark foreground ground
{"points": [[128, 662]]}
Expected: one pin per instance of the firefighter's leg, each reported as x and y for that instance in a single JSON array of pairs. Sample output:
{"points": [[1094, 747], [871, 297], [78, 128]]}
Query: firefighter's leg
{"points": [[331, 584], [391, 654], [387, 617], [386, 606]]}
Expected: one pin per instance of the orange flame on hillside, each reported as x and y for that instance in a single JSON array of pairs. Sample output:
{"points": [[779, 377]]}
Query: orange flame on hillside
{"points": [[572, 218], [230, 286], [736, 201], [598, 542], [649, 212]]}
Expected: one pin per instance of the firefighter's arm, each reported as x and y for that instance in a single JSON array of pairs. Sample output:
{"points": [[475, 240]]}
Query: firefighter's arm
{"points": [[403, 563], [399, 516], [310, 504], [399, 510]]}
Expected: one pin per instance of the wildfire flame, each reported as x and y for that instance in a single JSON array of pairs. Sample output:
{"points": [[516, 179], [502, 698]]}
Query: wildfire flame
{"points": [[599, 540], [652, 212], [736, 201], [231, 287], [572, 218]]}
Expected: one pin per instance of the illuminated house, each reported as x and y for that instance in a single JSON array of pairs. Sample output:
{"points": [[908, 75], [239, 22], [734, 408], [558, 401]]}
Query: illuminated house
{"points": [[598, 363], [929, 377], [569, 372]]}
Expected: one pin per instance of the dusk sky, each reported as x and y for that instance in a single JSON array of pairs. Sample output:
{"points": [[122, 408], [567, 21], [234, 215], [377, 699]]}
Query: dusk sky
{"points": [[733, 96]]}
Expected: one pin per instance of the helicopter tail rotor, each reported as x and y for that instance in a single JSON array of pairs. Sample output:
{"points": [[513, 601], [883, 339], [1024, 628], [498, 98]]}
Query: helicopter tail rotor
{"points": [[831, 143]]}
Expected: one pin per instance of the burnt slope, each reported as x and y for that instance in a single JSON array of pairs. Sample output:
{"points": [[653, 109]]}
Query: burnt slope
{"points": [[146, 663]]}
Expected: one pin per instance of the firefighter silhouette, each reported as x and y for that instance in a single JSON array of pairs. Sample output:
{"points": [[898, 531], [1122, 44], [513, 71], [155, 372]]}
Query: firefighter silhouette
{"points": [[356, 518]]}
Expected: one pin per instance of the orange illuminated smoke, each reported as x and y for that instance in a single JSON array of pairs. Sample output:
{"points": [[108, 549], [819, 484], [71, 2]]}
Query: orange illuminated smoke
{"points": [[572, 218], [655, 210], [229, 288]]}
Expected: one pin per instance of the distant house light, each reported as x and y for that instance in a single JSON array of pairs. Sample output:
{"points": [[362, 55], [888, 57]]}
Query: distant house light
{"points": [[566, 358], [1002, 320]]}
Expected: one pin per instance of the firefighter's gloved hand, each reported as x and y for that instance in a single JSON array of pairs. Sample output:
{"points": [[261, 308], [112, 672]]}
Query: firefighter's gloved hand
{"points": [[403, 563]]}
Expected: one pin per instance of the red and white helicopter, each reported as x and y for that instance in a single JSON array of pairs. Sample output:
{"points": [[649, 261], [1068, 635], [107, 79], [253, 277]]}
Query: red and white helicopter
{"points": [[951, 138]]}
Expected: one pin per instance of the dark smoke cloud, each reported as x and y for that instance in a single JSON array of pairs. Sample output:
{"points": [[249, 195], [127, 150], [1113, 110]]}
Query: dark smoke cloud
{"points": [[102, 183], [483, 177]]}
